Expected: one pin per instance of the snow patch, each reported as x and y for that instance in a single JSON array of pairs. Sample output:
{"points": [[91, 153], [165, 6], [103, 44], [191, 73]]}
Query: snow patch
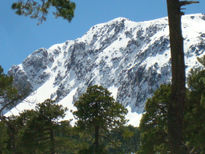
{"points": [[67, 102], [113, 91], [133, 117]]}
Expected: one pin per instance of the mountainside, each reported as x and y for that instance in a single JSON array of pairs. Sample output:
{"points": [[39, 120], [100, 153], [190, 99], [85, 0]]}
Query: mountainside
{"points": [[130, 59]]}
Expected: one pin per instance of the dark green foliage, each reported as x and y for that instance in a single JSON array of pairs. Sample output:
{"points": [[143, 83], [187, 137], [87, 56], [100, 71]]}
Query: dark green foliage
{"points": [[195, 122], [123, 140], [98, 112], [8, 93], [33, 131], [153, 125], [39, 131], [117, 141], [38, 135], [40, 8], [97, 107], [3, 138], [66, 138], [10, 127]]}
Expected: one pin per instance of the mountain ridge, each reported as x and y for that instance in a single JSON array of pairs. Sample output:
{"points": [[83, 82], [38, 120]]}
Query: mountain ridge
{"points": [[130, 59]]}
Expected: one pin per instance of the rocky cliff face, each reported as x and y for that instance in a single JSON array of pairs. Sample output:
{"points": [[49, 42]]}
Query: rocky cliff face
{"points": [[130, 59]]}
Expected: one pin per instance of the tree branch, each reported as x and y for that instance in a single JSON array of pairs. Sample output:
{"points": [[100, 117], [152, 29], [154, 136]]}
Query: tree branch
{"points": [[182, 3]]}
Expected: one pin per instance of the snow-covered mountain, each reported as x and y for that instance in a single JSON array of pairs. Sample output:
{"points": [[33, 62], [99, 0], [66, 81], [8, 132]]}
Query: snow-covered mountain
{"points": [[131, 59]]}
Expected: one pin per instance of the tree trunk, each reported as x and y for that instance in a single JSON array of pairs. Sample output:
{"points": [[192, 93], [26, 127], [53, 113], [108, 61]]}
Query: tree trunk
{"points": [[12, 138], [96, 139], [52, 141], [176, 104]]}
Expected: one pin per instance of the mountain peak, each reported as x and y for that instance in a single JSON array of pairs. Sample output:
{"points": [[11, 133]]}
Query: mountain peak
{"points": [[131, 59]]}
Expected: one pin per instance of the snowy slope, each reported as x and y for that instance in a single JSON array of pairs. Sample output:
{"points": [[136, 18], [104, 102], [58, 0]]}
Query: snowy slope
{"points": [[130, 59]]}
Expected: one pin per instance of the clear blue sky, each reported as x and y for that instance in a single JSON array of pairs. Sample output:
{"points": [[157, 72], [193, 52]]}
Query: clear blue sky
{"points": [[20, 36]]}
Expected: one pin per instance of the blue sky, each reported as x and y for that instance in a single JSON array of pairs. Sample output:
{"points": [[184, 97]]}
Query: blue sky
{"points": [[20, 36]]}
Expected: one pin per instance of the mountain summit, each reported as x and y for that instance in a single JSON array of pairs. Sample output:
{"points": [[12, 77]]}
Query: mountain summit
{"points": [[131, 59]]}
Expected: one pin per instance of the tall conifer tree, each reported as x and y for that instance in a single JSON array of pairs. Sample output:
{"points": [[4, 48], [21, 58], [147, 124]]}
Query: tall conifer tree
{"points": [[176, 104], [98, 112]]}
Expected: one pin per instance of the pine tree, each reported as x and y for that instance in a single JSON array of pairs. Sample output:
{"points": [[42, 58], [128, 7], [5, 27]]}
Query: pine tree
{"points": [[125, 139], [8, 93], [9, 97], [38, 134], [97, 111], [195, 109], [39, 9], [3, 138], [153, 126], [177, 101]]}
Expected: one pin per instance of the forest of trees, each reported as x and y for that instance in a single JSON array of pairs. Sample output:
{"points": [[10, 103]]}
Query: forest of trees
{"points": [[100, 128], [154, 127], [40, 130], [173, 121]]}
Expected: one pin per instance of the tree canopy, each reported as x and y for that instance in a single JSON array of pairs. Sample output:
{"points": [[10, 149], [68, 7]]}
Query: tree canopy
{"points": [[33, 131], [39, 9], [40, 131], [153, 126], [98, 112], [8, 93]]}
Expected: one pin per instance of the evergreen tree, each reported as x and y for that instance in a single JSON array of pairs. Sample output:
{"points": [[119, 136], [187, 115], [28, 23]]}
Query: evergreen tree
{"points": [[3, 138], [153, 126], [97, 111], [68, 139], [126, 140], [8, 93], [195, 109], [40, 8], [38, 131], [38, 134], [177, 101], [9, 134]]}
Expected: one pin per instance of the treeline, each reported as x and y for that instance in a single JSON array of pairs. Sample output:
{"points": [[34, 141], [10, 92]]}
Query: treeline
{"points": [[154, 127], [39, 132], [100, 126]]}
